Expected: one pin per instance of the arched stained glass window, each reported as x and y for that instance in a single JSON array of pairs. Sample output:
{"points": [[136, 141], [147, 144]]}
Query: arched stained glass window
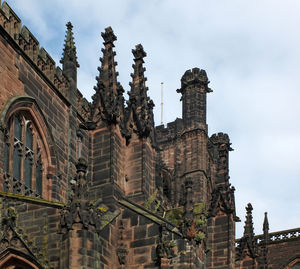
{"points": [[24, 174]]}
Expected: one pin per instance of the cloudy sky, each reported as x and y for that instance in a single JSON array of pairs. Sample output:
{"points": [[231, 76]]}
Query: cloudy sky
{"points": [[251, 52]]}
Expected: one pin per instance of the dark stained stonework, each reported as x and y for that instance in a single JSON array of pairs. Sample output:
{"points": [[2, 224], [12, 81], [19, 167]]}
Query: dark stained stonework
{"points": [[116, 191]]}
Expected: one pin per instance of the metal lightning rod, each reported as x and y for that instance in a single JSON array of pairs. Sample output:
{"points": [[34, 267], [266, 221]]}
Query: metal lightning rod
{"points": [[162, 103]]}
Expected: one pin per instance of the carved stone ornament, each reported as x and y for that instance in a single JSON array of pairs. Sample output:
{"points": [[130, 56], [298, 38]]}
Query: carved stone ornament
{"points": [[223, 200], [122, 254], [80, 209], [247, 245], [12, 237]]}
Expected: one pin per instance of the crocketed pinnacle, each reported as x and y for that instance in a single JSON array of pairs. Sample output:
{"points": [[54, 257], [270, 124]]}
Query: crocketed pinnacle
{"points": [[264, 260], [108, 101], [248, 240], [139, 103], [69, 53], [248, 228]]}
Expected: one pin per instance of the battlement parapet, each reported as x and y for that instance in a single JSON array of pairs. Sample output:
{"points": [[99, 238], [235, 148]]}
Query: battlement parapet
{"points": [[164, 134]]}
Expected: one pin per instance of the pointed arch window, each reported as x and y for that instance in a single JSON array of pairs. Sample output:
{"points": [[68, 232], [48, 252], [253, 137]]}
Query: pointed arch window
{"points": [[23, 164]]}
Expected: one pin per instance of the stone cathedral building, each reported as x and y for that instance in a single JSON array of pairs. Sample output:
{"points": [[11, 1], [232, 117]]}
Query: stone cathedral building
{"points": [[97, 185]]}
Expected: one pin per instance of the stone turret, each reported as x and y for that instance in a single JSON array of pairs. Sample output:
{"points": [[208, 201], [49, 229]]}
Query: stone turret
{"points": [[194, 87]]}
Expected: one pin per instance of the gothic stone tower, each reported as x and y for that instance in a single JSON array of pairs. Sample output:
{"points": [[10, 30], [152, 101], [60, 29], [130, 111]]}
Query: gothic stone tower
{"points": [[97, 185]]}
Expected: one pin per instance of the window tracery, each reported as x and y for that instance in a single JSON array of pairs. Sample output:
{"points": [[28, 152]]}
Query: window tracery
{"points": [[23, 165]]}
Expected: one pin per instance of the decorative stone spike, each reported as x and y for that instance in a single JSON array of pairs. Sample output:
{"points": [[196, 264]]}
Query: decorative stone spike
{"points": [[109, 36], [108, 101], [70, 64], [266, 224], [248, 228], [248, 241], [139, 53], [69, 53], [264, 245], [139, 103]]}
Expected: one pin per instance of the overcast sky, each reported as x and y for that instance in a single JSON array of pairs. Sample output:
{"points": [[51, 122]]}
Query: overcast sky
{"points": [[251, 53]]}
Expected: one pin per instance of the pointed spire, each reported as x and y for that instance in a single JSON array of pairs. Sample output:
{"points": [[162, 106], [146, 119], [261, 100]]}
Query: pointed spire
{"points": [[266, 224], [138, 84], [108, 99], [139, 103], [248, 228], [264, 245], [69, 53], [247, 244], [70, 64]]}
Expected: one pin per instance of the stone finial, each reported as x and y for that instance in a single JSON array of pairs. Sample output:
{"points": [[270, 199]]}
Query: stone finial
{"points": [[247, 244], [139, 53], [266, 224], [109, 36], [248, 228], [69, 53]]}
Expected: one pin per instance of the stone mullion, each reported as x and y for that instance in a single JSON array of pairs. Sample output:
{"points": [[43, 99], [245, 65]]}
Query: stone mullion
{"points": [[34, 163], [22, 154], [11, 148]]}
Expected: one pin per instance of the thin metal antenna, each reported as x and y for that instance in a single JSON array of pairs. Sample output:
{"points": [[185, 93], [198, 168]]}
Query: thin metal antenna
{"points": [[162, 104]]}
